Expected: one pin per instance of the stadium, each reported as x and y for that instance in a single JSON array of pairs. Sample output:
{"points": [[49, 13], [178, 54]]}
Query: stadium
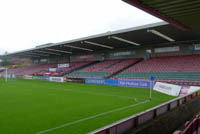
{"points": [[143, 79]]}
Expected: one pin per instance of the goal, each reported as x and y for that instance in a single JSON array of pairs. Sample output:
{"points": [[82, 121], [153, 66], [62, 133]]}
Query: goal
{"points": [[7, 76]]}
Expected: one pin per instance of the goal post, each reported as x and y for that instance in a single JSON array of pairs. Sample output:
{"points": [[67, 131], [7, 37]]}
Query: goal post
{"points": [[6, 75], [152, 79]]}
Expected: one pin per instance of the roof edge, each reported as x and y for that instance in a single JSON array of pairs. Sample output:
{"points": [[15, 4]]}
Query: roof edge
{"points": [[155, 13], [94, 36]]}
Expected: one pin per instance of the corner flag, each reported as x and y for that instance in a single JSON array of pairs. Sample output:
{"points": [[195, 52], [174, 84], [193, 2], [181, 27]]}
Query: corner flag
{"points": [[151, 86], [152, 78]]}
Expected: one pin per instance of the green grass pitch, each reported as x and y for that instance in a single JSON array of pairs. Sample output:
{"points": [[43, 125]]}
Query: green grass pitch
{"points": [[37, 107]]}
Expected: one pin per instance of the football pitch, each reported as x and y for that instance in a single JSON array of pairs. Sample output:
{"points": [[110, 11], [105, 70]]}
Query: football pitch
{"points": [[39, 107]]}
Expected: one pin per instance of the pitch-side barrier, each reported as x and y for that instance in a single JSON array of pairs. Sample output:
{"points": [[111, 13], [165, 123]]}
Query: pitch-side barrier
{"points": [[139, 119]]}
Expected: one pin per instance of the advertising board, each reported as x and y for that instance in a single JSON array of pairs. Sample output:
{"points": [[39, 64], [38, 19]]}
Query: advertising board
{"points": [[95, 81], [167, 49], [196, 46], [134, 83], [45, 78], [63, 65], [52, 69], [91, 57], [166, 88], [120, 54], [188, 89], [36, 77], [122, 83], [193, 89], [28, 77], [56, 79]]}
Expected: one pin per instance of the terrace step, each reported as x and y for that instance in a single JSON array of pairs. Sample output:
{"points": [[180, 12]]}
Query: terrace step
{"points": [[79, 68], [124, 68]]}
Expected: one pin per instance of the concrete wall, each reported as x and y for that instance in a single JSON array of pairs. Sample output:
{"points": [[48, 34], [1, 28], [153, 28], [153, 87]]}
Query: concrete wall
{"points": [[140, 52], [87, 57], [59, 59], [185, 49], [170, 121]]}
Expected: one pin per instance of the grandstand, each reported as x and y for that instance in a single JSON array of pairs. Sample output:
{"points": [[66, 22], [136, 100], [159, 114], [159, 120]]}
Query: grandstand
{"points": [[103, 69], [172, 58], [182, 69], [166, 52], [61, 71]]}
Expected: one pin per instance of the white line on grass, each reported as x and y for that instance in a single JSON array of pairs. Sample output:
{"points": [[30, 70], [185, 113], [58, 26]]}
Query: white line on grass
{"points": [[102, 94], [91, 117]]}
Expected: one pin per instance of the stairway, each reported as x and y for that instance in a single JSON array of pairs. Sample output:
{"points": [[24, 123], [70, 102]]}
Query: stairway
{"points": [[79, 68], [124, 69], [110, 65]]}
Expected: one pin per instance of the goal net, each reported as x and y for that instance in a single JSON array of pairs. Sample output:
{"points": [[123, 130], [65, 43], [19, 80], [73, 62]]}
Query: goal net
{"points": [[6, 75]]}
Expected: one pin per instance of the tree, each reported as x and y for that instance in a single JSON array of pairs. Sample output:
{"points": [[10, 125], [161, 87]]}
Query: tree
{"points": [[5, 60]]}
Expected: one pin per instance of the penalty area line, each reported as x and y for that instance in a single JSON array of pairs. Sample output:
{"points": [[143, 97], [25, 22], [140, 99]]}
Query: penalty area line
{"points": [[91, 117]]}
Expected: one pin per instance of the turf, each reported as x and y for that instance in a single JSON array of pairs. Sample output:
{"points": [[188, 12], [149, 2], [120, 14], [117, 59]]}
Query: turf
{"points": [[29, 107]]}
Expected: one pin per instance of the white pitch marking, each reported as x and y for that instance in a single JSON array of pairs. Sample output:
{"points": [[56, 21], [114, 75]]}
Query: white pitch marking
{"points": [[91, 117], [136, 100]]}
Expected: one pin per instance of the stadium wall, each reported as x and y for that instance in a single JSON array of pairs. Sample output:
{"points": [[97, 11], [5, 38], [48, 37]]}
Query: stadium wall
{"points": [[87, 57], [149, 51], [125, 53], [51, 59], [133, 52], [164, 123], [162, 119], [59, 59], [185, 49], [141, 52], [19, 60]]}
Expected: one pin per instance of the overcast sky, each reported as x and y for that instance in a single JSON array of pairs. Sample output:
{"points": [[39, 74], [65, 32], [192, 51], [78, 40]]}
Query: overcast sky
{"points": [[27, 23]]}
